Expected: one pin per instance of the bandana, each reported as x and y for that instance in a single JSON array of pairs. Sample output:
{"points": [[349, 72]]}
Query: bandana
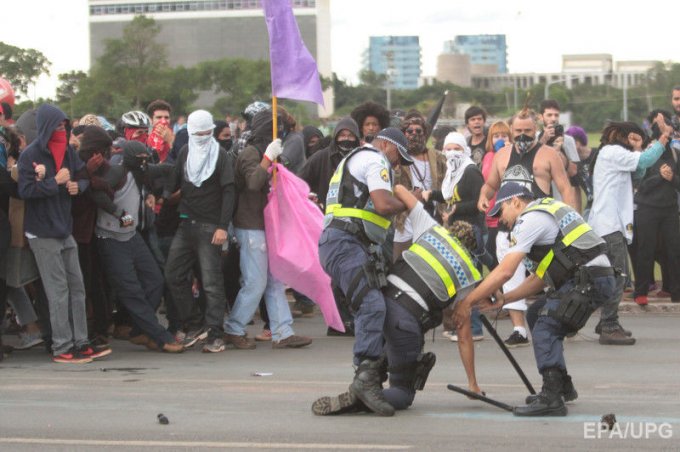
{"points": [[57, 146]]}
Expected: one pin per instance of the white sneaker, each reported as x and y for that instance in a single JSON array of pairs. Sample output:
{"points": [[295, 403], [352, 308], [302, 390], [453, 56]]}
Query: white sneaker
{"points": [[454, 338], [29, 340], [449, 334]]}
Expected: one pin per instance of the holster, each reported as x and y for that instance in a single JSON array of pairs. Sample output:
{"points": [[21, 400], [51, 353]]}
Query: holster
{"points": [[375, 268]]}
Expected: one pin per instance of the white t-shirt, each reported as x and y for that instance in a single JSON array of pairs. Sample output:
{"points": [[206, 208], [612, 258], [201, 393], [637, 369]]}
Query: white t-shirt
{"points": [[424, 172], [420, 222], [612, 209], [540, 228]]}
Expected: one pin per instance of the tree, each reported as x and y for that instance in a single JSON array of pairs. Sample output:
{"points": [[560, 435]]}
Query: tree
{"points": [[22, 66]]}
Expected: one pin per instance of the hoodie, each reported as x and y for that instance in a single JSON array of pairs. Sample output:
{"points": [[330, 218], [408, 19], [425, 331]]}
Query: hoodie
{"points": [[320, 167], [48, 205]]}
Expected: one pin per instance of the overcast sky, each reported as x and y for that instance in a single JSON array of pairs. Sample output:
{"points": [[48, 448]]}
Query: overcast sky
{"points": [[538, 32]]}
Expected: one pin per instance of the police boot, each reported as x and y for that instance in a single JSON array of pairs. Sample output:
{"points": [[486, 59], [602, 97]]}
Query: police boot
{"points": [[367, 387], [344, 403], [568, 390], [549, 401]]}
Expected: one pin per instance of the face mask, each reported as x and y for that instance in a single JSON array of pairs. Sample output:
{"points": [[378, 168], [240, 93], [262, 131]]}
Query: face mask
{"points": [[453, 154], [226, 144], [416, 144], [347, 145], [523, 143], [499, 145], [201, 140]]}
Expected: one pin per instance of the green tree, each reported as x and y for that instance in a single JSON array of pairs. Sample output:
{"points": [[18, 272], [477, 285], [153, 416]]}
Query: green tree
{"points": [[21, 67]]}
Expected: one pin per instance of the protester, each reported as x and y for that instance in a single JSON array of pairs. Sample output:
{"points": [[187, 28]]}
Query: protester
{"points": [[371, 119], [475, 118]]}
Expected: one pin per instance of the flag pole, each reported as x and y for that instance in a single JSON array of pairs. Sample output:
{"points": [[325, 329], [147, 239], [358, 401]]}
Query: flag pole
{"points": [[275, 128]]}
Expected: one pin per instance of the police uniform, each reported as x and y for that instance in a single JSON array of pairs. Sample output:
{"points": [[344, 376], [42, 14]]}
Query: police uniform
{"points": [[435, 271], [351, 228], [564, 251]]}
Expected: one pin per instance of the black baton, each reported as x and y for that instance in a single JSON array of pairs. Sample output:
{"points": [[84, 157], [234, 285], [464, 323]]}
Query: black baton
{"points": [[474, 395], [503, 347]]}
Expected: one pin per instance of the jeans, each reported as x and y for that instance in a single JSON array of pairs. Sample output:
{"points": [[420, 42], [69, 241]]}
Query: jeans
{"points": [[192, 244], [258, 281], [59, 269], [617, 253], [134, 274]]}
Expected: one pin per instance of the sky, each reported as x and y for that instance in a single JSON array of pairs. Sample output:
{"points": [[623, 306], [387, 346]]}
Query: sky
{"points": [[538, 32]]}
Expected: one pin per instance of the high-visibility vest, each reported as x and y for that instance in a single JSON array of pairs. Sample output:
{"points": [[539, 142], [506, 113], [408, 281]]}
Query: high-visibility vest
{"points": [[440, 262], [576, 243], [341, 201]]}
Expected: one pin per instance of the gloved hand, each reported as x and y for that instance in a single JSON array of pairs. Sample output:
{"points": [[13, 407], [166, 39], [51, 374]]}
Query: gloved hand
{"points": [[274, 150], [125, 219]]}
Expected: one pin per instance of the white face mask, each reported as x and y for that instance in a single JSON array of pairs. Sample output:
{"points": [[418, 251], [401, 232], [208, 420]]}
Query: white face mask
{"points": [[453, 154], [201, 141]]}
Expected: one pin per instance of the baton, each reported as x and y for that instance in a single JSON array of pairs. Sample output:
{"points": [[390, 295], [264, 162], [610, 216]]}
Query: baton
{"points": [[503, 347], [474, 395]]}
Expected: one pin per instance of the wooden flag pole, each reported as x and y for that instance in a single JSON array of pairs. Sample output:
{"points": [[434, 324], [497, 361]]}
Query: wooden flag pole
{"points": [[275, 128]]}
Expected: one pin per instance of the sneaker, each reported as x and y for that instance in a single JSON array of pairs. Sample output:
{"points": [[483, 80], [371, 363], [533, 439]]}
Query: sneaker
{"points": [[292, 342], [29, 340], [180, 336], [172, 347], [615, 336], [450, 334], [214, 345], [71, 357], [516, 340], [195, 336], [479, 337], [264, 336], [598, 329], [641, 300], [89, 352], [663, 294], [239, 342]]}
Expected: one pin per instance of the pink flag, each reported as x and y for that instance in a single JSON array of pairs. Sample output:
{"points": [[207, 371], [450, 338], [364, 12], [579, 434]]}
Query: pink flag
{"points": [[293, 225], [294, 71]]}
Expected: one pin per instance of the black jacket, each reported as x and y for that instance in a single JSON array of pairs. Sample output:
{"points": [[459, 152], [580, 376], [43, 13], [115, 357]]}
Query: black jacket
{"points": [[655, 191]]}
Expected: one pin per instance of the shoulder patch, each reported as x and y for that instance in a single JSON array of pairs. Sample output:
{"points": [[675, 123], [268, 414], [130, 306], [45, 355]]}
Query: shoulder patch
{"points": [[385, 175]]}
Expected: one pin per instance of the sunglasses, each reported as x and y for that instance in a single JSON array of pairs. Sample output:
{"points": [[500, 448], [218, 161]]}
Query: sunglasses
{"points": [[415, 131]]}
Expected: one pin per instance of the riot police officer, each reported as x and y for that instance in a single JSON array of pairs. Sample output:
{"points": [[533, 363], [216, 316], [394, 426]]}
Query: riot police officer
{"points": [[433, 272], [568, 257], [359, 207]]}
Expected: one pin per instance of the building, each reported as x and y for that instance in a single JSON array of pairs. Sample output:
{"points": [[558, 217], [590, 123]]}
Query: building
{"points": [[484, 50], [398, 57], [200, 30]]}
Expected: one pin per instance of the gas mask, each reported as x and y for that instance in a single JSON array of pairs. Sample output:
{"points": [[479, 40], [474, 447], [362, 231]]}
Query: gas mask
{"points": [[524, 143]]}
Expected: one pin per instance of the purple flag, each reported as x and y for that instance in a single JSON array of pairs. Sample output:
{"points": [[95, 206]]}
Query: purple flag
{"points": [[294, 71]]}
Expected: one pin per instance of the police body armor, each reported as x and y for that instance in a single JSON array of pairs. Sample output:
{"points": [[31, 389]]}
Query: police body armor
{"points": [[439, 269], [341, 202], [576, 243]]}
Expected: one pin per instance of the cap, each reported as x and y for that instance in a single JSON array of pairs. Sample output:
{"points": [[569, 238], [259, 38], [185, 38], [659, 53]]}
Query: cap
{"points": [[508, 191], [397, 138]]}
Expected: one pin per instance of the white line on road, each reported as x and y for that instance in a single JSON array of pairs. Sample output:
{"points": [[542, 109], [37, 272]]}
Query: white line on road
{"points": [[210, 444]]}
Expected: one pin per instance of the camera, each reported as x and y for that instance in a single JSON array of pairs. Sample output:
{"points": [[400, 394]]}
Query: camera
{"points": [[559, 130]]}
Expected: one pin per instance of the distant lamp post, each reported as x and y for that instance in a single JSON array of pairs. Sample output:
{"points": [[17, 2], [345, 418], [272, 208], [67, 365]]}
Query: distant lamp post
{"points": [[546, 89], [388, 87]]}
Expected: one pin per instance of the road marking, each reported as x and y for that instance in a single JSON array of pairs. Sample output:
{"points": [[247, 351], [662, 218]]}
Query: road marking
{"points": [[210, 444]]}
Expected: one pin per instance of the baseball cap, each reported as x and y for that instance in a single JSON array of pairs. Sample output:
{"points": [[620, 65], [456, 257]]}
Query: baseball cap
{"points": [[508, 191], [397, 138]]}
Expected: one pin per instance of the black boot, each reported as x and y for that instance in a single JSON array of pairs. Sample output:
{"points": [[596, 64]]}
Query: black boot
{"points": [[344, 403], [549, 401], [367, 387], [568, 390]]}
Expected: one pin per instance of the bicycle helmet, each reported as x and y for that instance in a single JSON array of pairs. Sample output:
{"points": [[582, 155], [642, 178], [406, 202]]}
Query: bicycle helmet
{"points": [[136, 120]]}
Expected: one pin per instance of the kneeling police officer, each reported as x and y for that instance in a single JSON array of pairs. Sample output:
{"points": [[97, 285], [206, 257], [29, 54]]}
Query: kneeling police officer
{"points": [[563, 253], [434, 272]]}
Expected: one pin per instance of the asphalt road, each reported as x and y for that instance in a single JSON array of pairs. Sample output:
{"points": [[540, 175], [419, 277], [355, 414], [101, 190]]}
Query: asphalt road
{"points": [[213, 401]]}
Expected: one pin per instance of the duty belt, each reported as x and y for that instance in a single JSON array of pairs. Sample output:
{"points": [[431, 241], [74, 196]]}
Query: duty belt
{"points": [[403, 299], [597, 272], [350, 227]]}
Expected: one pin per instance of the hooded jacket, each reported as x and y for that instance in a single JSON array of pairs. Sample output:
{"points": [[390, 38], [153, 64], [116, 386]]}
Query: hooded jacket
{"points": [[319, 168], [48, 205]]}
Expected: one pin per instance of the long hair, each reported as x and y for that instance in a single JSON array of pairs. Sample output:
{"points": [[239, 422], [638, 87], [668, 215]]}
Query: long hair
{"points": [[616, 133], [361, 112]]}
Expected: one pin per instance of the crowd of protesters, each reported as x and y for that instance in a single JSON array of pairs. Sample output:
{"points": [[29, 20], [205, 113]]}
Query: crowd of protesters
{"points": [[104, 222]]}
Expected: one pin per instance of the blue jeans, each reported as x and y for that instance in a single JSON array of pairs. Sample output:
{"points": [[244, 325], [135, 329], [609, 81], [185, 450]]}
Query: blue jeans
{"points": [[191, 245], [258, 281]]}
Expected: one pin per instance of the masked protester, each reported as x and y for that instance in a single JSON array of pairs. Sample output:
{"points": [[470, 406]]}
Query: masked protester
{"points": [[222, 133]]}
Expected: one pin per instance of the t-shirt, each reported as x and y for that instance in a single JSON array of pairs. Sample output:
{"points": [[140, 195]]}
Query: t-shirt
{"points": [[421, 222], [612, 209], [540, 228], [421, 177]]}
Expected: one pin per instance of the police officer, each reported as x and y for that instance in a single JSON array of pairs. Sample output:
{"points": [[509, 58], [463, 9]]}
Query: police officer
{"points": [[568, 257], [359, 206], [433, 272]]}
